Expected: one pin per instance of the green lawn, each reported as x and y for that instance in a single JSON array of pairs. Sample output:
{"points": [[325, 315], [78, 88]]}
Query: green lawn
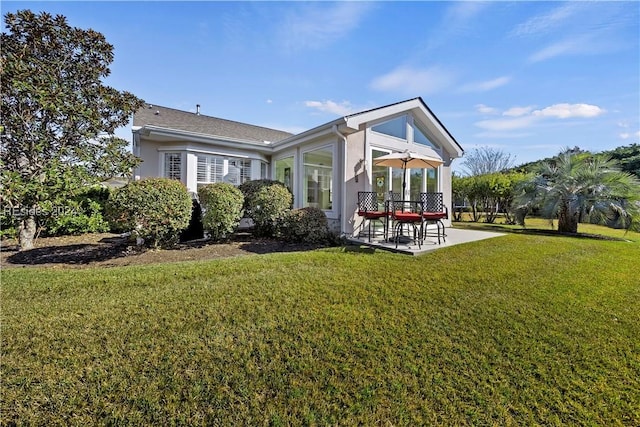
{"points": [[534, 224], [515, 330]]}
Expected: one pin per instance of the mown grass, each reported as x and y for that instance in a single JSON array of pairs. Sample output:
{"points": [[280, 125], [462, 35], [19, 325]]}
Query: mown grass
{"points": [[513, 330], [534, 224]]}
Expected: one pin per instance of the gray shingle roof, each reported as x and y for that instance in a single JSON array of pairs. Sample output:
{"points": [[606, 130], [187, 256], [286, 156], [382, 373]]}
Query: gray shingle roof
{"points": [[183, 120]]}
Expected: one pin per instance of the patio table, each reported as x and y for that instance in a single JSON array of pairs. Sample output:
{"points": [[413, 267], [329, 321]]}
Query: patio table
{"points": [[403, 212]]}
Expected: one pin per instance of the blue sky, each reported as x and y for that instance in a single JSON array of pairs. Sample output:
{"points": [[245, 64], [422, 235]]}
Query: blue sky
{"points": [[528, 78]]}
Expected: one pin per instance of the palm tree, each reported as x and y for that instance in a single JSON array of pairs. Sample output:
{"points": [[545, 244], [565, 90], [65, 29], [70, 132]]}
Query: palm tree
{"points": [[580, 186]]}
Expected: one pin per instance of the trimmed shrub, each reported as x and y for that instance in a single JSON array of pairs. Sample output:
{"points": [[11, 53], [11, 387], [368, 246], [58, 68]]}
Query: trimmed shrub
{"points": [[271, 204], [306, 225], [222, 208], [84, 213], [154, 209], [265, 202]]}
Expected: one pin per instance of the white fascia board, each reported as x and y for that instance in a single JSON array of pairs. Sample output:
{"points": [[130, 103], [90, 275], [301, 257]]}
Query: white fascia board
{"points": [[214, 152], [357, 120], [301, 138], [415, 106], [207, 139]]}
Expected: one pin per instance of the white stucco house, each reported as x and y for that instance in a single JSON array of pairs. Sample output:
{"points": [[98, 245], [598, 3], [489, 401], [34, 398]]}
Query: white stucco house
{"points": [[324, 167]]}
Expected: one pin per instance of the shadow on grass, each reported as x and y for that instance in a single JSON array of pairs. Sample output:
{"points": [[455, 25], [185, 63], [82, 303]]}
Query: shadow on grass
{"points": [[267, 246], [361, 249], [533, 231]]}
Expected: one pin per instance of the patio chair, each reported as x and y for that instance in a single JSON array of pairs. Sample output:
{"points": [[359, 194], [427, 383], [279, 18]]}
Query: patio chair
{"points": [[407, 214], [369, 211], [434, 211]]}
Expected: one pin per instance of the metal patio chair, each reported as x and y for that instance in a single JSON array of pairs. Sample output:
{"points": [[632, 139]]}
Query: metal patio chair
{"points": [[369, 211]]}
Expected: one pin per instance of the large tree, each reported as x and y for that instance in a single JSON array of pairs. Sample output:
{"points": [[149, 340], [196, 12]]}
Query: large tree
{"points": [[485, 160], [56, 111], [579, 186]]}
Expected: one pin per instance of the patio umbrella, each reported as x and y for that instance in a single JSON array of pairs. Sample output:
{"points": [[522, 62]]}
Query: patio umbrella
{"points": [[407, 160]]}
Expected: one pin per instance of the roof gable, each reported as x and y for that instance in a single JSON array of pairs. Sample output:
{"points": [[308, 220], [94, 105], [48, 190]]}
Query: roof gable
{"points": [[420, 110], [169, 118]]}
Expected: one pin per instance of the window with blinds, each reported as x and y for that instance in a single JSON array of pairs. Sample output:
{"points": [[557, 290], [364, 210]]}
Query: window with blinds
{"points": [[242, 171], [210, 169], [173, 166]]}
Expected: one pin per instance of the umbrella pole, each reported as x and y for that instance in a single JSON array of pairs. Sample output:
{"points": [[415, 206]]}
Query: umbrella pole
{"points": [[404, 180]]}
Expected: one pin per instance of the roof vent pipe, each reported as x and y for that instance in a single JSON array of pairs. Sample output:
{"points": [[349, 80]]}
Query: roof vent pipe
{"points": [[197, 109]]}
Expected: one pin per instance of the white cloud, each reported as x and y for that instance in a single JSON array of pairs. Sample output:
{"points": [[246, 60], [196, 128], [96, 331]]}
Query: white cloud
{"points": [[544, 23], [526, 117], [315, 25], [269, 101], [485, 85], [517, 111], [502, 135], [627, 135], [414, 81], [569, 46], [458, 19], [342, 109], [506, 124], [565, 111], [485, 109]]}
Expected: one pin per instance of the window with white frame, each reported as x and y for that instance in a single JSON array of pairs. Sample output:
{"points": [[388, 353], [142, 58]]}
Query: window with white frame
{"points": [[239, 171], [284, 171], [173, 166], [318, 174], [210, 169]]}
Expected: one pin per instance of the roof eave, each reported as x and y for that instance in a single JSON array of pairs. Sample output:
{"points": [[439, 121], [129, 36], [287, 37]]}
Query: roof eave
{"points": [[314, 133], [150, 130]]}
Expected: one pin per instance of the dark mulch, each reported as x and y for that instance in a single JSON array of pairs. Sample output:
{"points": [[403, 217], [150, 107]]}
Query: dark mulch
{"points": [[110, 250]]}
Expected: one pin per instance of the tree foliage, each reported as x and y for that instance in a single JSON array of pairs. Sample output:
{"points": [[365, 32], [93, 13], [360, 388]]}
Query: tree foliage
{"points": [[486, 160], [488, 195], [628, 158], [580, 186], [55, 113]]}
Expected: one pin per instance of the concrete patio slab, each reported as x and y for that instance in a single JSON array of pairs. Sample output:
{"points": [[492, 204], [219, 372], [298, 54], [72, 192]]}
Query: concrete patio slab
{"points": [[454, 237]]}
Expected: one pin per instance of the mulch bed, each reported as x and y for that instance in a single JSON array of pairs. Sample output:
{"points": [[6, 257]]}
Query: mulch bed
{"points": [[110, 250]]}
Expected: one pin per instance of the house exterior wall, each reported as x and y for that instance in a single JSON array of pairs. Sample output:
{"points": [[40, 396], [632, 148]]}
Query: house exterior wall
{"points": [[328, 141], [150, 165], [152, 153], [351, 142], [356, 178]]}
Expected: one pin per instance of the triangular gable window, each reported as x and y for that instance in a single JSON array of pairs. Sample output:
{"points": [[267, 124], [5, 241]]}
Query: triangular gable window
{"points": [[419, 137], [396, 127]]}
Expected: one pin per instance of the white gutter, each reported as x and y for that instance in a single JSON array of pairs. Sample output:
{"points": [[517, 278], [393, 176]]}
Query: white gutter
{"points": [[343, 188], [224, 141]]}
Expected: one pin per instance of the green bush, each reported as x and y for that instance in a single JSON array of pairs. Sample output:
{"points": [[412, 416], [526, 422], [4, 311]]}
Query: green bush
{"points": [[265, 202], [222, 208], [306, 225], [84, 213], [154, 209]]}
